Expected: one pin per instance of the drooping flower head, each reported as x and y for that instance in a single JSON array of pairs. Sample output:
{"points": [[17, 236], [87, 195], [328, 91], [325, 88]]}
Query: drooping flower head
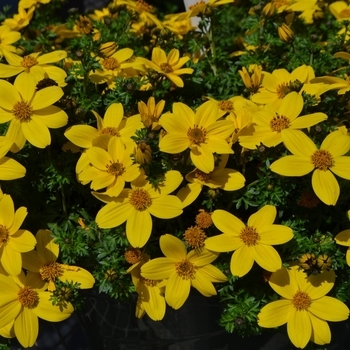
{"points": [[183, 270], [304, 306], [251, 242]]}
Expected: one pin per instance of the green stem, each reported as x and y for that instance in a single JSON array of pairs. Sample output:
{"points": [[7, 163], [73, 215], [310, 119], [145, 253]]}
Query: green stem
{"points": [[210, 35]]}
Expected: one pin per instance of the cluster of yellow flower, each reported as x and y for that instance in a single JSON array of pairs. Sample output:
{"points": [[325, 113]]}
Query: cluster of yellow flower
{"points": [[112, 162]]}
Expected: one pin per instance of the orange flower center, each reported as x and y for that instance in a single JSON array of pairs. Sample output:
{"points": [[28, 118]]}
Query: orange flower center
{"points": [[28, 62], [110, 130], [279, 123], [322, 159], [28, 297], [22, 111], [50, 271], [301, 300], [195, 236], [345, 13], [185, 269], [282, 90], [115, 169], [201, 176], [166, 67], [143, 6], [203, 219], [111, 275], [249, 236], [197, 135], [4, 235], [150, 283], [196, 4], [110, 63], [226, 105], [132, 255], [140, 199]]}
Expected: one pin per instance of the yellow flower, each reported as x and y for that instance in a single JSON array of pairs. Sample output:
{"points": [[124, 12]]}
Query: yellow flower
{"points": [[221, 177], [304, 306], [22, 303], [179, 28], [343, 238], [285, 33], [151, 112], [183, 270], [8, 37], [270, 123], [251, 81], [334, 83], [35, 65], [26, 4], [109, 169], [280, 82], [21, 19], [31, 112], [199, 131], [118, 64], [113, 124], [137, 205], [13, 240], [325, 161], [43, 269], [251, 242], [10, 169], [340, 10], [108, 49], [150, 293], [168, 65]]}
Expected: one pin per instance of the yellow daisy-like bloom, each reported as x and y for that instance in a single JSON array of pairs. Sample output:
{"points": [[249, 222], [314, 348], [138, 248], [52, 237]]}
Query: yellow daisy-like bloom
{"points": [[21, 19], [279, 83], [109, 169], [116, 65], [151, 112], [343, 238], [26, 4], [168, 65], [325, 161], [22, 303], [10, 169], [13, 241], [151, 293], [31, 112], [340, 10], [43, 269], [36, 65], [113, 124], [137, 205], [251, 80], [221, 177], [304, 306], [183, 270], [251, 242], [269, 123], [334, 83], [8, 37], [200, 131]]}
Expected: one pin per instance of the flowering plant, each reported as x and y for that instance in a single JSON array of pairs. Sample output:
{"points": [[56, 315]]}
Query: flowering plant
{"points": [[154, 154]]}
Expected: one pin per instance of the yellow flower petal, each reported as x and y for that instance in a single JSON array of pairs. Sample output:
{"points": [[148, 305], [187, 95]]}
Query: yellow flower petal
{"points": [[52, 116], [203, 258], [138, 228], [11, 169], [81, 135], [9, 310], [46, 248], [298, 143], [31, 261], [275, 314], [343, 238], [26, 85], [172, 247], [202, 158], [157, 269], [241, 261], [275, 234], [177, 291], [189, 193], [336, 143], [7, 211], [154, 305], [19, 217], [37, 133], [307, 120], [227, 222], [203, 285], [223, 243], [9, 95], [326, 186], [22, 241], [166, 207], [341, 167], [281, 282], [113, 214], [15, 133], [26, 327], [291, 106], [52, 57], [174, 143], [321, 308], [82, 276], [114, 115], [267, 257], [292, 166], [299, 328], [46, 97], [263, 217], [321, 334], [213, 274], [11, 260]]}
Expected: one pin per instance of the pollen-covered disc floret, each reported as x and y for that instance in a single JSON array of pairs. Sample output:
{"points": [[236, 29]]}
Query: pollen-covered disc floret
{"points": [[28, 297], [28, 62], [185, 269], [50, 271], [249, 236], [4, 235], [140, 199], [279, 123], [282, 90], [195, 237], [116, 168], [22, 111], [133, 255], [110, 130], [196, 135], [322, 159], [301, 300], [110, 63], [203, 219], [166, 67]]}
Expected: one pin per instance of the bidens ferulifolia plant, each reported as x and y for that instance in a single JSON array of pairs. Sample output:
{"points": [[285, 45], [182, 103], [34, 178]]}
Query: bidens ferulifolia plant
{"points": [[153, 155]]}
